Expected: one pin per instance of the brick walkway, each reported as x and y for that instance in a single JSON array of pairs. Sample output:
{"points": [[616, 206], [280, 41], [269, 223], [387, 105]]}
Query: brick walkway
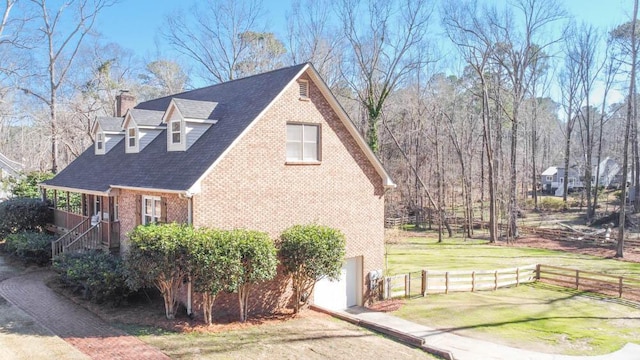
{"points": [[74, 324]]}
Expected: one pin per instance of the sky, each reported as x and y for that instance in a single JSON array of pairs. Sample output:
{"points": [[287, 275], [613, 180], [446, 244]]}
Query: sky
{"points": [[134, 24]]}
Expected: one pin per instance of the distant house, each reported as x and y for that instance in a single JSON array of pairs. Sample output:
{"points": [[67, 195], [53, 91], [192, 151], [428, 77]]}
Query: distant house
{"points": [[263, 152], [8, 169], [553, 178]]}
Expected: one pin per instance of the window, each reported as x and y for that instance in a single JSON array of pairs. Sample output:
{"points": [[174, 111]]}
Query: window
{"points": [[116, 210], [303, 143], [304, 89], [131, 137], [99, 141], [151, 210], [176, 132], [549, 178]]}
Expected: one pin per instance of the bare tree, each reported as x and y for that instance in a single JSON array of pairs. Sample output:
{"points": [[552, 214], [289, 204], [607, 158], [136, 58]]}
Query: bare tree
{"points": [[519, 50], [387, 44], [311, 38], [571, 99], [469, 32], [222, 35], [630, 117], [64, 31]]}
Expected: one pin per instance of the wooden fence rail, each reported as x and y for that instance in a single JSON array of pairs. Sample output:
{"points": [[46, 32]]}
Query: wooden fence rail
{"points": [[421, 283], [590, 281], [426, 282]]}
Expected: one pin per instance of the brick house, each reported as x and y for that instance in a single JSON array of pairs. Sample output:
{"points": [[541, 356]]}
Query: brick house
{"points": [[263, 152]]}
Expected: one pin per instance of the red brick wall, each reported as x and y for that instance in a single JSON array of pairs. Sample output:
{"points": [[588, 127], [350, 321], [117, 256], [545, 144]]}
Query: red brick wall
{"points": [[253, 188], [177, 211]]}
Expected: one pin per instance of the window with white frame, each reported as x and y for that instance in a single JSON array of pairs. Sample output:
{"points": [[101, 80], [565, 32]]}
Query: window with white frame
{"points": [[132, 137], [176, 131], [549, 178], [303, 143], [151, 209], [100, 142]]}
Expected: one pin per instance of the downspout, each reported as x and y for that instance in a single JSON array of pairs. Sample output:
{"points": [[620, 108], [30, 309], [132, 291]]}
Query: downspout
{"points": [[190, 222]]}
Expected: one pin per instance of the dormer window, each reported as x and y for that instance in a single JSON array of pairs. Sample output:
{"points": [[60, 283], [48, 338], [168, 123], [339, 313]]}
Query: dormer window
{"points": [[100, 143], [176, 138], [176, 132], [304, 89], [132, 139]]}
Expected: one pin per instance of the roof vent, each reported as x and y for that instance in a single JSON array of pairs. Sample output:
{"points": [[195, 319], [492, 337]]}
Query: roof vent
{"points": [[304, 89]]}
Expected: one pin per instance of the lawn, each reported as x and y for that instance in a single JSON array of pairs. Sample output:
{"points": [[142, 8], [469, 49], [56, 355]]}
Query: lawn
{"points": [[418, 250], [537, 316], [313, 336]]}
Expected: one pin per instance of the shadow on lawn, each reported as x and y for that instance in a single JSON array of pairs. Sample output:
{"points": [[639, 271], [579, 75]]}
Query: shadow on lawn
{"points": [[582, 293]]}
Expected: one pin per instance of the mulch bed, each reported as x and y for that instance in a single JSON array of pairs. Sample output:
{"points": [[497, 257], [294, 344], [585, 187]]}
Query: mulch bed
{"points": [[149, 311]]}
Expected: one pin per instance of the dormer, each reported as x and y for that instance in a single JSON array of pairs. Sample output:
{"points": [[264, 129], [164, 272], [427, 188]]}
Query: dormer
{"points": [[107, 133], [186, 121], [140, 128]]}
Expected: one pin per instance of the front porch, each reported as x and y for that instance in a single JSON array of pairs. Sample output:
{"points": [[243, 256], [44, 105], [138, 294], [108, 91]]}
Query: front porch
{"points": [[84, 221]]}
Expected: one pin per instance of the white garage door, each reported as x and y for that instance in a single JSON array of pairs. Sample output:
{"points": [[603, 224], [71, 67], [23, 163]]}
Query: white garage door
{"points": [[341, 294]]}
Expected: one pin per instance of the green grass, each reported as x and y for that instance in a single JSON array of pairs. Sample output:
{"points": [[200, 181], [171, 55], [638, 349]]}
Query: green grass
{"points": [[535, 316], [538, 316], [420, 252]]}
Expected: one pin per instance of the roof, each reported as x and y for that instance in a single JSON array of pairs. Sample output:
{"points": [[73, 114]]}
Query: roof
{"points": [[110, 124], [9, 166], [235, 104], [193, 109], [147, 117], [552, 170]]}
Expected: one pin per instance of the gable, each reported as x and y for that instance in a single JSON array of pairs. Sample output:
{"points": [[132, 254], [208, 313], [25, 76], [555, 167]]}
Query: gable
{"points": [[234, 107]]}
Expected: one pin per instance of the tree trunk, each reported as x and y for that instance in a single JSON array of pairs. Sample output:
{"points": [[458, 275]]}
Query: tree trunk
{"points": [[513, 194], [207, 307], [630, 112]]}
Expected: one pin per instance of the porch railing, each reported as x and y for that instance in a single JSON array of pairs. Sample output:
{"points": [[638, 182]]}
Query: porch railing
{"points": [[65, 219], [58, 246], [89, 240]]}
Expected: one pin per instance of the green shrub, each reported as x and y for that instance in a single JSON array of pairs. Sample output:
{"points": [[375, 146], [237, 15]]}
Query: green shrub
{"points": [[27, 185], [309, 253], [549, 203], [30, 246], [258, 257], [23, 214], [159, 256], [99, 275]]}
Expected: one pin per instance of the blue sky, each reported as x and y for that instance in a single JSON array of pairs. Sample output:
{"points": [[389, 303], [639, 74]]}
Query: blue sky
{"points": [[134, 23]]}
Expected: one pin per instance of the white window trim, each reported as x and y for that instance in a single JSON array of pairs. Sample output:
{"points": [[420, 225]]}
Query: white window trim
{"points": [[305, 83], [100, 140], [143, 209], [318, 145], [129, 148], [181, 146]]}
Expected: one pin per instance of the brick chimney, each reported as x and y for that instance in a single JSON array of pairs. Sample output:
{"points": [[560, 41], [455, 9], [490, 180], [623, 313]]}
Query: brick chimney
{"points": [[124, 102]]}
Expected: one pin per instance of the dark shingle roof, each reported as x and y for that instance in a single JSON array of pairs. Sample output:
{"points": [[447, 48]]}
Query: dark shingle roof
{"points": [[239, 103], [144, 117], [110, 124], [194, 109]]}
